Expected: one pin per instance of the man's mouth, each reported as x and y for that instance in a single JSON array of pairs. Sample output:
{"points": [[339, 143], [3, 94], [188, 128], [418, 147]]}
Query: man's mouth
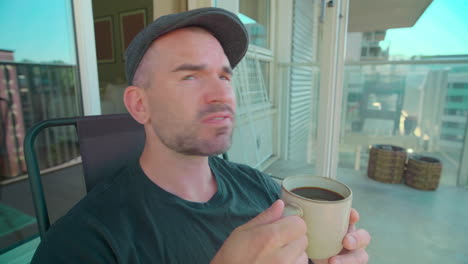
{"points": [[222, 118]]}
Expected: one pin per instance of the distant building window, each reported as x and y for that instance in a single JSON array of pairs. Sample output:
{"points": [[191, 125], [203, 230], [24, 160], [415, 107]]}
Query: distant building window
{"points": [[354, 97], [456, 112], [456, 99], [363, 52], [453, 124], [452, 137], [367, 36], [374, 51], [460, 85]]}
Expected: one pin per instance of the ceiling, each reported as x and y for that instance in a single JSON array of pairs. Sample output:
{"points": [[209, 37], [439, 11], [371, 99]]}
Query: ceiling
{"points": [[373, 15]]}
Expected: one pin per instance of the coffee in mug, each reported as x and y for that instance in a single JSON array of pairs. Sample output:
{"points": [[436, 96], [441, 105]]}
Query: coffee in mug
{"points": [[317, 193]]}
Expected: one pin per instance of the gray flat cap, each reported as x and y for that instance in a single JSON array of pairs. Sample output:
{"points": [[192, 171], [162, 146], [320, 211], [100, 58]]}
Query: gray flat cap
{"points": [[224, 25]]}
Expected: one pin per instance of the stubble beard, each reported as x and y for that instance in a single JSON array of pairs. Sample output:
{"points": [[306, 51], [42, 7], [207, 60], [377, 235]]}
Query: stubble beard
{"points": [[188, 143], [185, 139]]}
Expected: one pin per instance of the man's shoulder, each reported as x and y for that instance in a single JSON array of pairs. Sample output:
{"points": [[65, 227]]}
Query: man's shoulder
{"points": [[99, 206], [89, 225], [78, 234], [244, 174]]}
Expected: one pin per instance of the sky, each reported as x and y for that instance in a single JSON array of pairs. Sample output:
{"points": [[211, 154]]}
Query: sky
{"points": [[37, 30], [441, 30], [42, 31]]}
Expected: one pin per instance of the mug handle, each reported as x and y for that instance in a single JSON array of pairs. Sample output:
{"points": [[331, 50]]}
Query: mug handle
{"points": [[292, 209]]}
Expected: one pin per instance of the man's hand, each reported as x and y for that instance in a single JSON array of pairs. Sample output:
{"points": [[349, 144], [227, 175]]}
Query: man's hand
{"points": [[354, 243], [268, 238]]}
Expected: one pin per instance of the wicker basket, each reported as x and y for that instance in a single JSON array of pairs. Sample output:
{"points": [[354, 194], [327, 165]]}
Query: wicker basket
{"points": [[386, 163], [423, 172]]}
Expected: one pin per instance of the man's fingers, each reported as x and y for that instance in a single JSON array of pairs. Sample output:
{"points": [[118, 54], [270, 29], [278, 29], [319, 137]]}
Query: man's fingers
{"points": [[289, 228], [353, 216], [294, 252], [356, 240], [359, 256], [266, 217], [303, 259]]}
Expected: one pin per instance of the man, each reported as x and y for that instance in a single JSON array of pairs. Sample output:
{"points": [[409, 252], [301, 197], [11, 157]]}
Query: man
{"points": [[179, 203]]}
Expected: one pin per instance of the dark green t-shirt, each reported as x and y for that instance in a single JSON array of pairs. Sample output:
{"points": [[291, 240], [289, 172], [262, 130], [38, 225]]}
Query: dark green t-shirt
{"points": [[129, 219]]}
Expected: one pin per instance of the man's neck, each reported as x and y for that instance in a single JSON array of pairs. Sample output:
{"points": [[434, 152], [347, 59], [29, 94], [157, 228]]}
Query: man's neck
{"points": [[188, 177]]}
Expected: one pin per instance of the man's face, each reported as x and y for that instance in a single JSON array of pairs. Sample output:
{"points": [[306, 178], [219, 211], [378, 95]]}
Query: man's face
{"points": [[190, 96]]}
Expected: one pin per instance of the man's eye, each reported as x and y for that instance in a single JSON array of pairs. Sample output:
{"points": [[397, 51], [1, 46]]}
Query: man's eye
{"points": [[225, 78], [188, 77]]}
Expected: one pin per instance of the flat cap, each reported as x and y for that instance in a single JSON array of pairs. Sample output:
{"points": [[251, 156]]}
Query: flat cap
{"points": [[225, 26]]}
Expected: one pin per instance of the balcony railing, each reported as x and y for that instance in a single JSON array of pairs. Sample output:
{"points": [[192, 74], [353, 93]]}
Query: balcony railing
{"points": [[408, 103], [30, 93]]}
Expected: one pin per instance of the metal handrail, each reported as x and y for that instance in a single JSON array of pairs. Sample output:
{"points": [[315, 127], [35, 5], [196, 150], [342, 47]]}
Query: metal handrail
{"points": [[37, 190]]}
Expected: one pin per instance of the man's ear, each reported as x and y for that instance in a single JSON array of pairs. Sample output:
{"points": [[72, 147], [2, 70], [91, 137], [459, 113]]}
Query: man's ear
{"points": [[135, 101]]}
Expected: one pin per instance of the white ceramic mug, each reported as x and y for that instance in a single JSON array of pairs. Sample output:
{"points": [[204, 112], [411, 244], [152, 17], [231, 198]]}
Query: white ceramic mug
{"points": [[327, 221]]}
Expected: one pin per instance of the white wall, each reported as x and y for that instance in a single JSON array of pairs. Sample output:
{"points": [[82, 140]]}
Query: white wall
{"points": [[353, 46]]}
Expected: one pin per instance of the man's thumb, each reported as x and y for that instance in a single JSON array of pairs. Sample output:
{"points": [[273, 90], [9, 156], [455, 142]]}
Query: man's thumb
{"points": [[273, 213]]}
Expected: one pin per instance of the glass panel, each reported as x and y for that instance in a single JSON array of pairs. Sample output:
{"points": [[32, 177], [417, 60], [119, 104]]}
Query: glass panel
{"points": [[407, 86], [256, 17], [37, 81], [409, 105], [276, 120], [265, 67], [251, 82], [253, 133], [419, 103], [116, 23]]}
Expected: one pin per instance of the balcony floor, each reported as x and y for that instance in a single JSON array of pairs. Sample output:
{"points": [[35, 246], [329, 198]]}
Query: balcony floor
{"points": [[407, 225]]}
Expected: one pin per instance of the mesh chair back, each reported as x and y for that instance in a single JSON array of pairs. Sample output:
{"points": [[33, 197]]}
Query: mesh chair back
{"points": [[108, 143]]}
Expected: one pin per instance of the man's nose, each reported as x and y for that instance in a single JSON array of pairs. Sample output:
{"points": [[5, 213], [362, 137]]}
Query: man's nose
{"points": [[219, 91]]}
